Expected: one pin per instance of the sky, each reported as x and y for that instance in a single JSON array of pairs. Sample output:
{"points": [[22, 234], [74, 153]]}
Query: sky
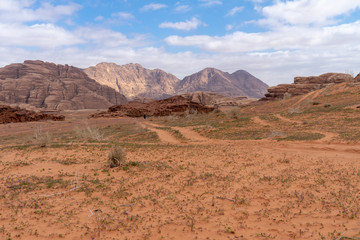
{"points": [[274, 40]]}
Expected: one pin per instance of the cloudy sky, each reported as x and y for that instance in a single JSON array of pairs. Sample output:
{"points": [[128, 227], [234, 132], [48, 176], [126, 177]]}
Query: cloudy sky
{"points": [[275, 40]]}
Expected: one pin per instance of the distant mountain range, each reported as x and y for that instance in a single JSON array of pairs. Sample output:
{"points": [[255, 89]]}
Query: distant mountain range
{"points": [[132, 80], [47, 85]]}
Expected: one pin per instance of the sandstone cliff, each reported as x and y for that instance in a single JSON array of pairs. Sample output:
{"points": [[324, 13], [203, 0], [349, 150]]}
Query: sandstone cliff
{"points": [[240, 83], [47, 85], [132, 80], [303, 85]]}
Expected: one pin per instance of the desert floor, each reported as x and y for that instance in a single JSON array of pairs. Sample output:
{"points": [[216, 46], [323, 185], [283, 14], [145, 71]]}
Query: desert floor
{"points": [[179, 181]]}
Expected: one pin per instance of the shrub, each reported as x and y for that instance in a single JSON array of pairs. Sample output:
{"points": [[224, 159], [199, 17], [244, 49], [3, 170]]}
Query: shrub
{"points": [[89, 133], [116, 157], [40, 138]]}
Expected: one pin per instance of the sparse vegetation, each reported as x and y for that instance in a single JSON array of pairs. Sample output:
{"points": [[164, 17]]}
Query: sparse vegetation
{"points": [[208, 188]]}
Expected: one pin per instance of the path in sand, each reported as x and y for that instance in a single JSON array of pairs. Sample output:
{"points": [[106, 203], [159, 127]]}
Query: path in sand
{"points": [[261, 122], [310, 95], [191, 134], [327, 135], [163, 135]]}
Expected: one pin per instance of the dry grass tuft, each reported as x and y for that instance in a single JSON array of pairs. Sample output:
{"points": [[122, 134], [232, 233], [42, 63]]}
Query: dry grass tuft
{"points": [[117, 156]]}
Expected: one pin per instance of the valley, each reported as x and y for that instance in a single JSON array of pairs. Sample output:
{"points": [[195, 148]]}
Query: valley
{"points": [[285, 169]]}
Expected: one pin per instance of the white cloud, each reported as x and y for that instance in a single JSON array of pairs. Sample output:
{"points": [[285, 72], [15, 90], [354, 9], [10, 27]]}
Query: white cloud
{"points": [[305, 12], [38, 35], [229, 27], [108, 38], [209, 3], [289, 38], [153, 6], [182, 8], [123, 15], [194, 23], [234, 11], [19, 11], [99, 18]]}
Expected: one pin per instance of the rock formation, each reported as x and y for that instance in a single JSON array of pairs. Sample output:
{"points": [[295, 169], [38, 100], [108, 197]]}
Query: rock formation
{"points": [[240, 83], [9, 115], [47, 85], [216, 100], [303, 85], [172, 106], [132, 80], [357, 78]]}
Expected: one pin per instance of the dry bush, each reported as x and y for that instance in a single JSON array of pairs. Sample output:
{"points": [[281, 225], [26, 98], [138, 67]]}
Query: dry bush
{"points": [[287, 96], [293, 110], [40, 138], [277, 134], [117, 156], [89, 133], [233, 113]]}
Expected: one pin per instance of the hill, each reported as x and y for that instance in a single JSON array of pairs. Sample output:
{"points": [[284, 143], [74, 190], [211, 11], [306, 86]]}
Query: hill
{"points": [[47, 85], [239, 83]]}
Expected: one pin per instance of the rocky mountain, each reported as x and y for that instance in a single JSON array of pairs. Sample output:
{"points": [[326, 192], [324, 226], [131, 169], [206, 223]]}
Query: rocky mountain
{"points": [[239, 83], [132, 80], [303, 85], [47, 85]]}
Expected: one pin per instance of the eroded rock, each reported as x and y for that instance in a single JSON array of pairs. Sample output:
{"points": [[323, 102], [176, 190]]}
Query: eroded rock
{"points": [[303, 85], [13, 115], [177, 105]]}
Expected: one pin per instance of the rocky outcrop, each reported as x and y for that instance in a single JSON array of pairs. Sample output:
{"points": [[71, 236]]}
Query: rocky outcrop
{"points": [[132, 80], [47, 85], [216, 100], [240, 83], [172, 106], [303, 85], [357, 78], [13, 115]]}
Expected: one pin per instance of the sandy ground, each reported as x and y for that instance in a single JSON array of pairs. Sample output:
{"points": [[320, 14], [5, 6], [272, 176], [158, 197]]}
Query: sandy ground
{"points": [[188, 188]]}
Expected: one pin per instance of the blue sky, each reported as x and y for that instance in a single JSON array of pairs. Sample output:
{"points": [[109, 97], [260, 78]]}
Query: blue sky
{"points": [[275, 40]]}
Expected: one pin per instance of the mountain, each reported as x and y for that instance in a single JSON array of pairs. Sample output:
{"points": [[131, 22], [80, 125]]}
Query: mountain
{"points": [[47, 85], [132, 80], [239, 83]]}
